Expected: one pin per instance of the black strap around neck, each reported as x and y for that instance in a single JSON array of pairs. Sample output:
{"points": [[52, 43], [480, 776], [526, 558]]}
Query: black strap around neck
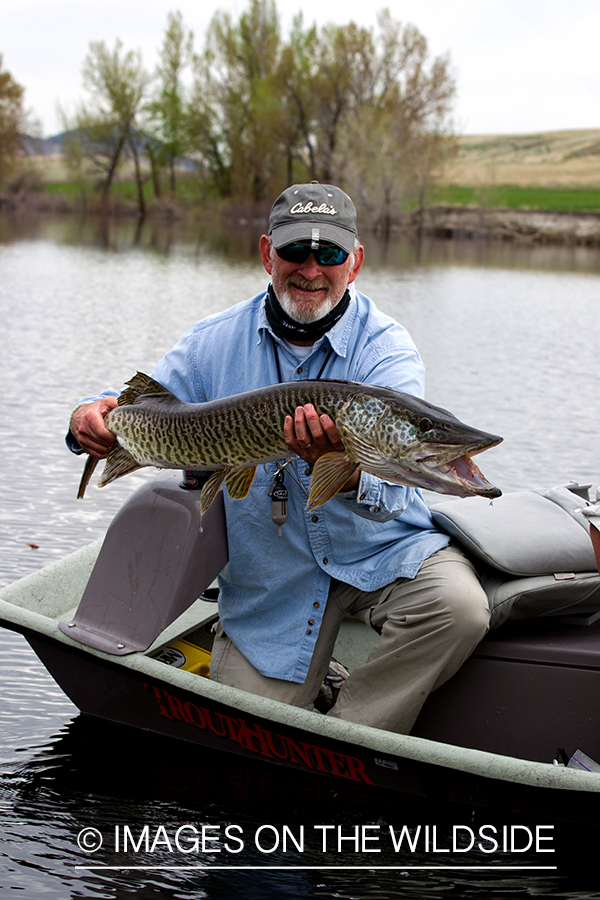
{"points": [[287, 328]]}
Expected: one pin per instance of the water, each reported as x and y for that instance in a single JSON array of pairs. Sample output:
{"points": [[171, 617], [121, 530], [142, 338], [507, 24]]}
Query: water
{"points": [[509, 337]]}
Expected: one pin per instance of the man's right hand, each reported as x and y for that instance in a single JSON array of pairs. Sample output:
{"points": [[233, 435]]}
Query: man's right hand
{"points": [[89, 428]]}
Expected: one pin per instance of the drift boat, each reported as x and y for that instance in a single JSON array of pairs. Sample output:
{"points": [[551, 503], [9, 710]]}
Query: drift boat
{"points": [[124, 627]]}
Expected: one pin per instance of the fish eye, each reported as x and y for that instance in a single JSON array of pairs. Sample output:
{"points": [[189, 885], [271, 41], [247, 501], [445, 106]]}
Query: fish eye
{"points": [[425, 424]]}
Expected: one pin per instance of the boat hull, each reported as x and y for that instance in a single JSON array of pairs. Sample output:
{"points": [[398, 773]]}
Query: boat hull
{"points": [[107, 690]]}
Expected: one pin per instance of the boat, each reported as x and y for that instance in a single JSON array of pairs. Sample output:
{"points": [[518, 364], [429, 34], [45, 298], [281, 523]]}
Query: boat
{"points": [[124, 626]]}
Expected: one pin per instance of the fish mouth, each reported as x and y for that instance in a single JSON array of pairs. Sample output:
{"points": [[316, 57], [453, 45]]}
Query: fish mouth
{"points": [[454, 472]]}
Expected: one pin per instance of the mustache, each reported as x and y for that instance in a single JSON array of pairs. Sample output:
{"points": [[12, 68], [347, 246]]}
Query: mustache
{"points": [[304, 284]]}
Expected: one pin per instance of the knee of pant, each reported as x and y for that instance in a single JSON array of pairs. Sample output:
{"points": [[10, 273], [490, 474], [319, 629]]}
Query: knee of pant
{"points": [[468, 609]]}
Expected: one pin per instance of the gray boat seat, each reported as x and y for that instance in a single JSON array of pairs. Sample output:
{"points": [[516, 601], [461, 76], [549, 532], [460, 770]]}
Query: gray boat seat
{"points": [[532, 549], [158, 556]]}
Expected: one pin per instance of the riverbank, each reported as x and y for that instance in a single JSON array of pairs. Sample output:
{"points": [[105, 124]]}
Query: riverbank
{"points": [[531, 188], [443, 221], [521, 225]]}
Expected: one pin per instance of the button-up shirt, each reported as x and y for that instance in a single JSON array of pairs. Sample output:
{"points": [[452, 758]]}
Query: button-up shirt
{"points": [[274, 589]]}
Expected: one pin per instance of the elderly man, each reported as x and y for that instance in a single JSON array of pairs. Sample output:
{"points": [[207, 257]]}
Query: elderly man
{"points": [[372, 551]]}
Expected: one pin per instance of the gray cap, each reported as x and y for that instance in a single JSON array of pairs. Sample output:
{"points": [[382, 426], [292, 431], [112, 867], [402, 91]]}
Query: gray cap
{"points": [[320, 213]]}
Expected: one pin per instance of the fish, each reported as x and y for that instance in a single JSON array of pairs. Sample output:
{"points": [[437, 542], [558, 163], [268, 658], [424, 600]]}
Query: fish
{"points": [[390, 434]]}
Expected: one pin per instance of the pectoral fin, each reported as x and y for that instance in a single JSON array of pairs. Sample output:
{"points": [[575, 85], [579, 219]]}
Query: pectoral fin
{"points": [[239, 482], [212, 487], [330, 474]]}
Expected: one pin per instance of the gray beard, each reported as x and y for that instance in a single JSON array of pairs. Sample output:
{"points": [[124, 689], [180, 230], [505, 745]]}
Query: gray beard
{"points": [[307, 315]]}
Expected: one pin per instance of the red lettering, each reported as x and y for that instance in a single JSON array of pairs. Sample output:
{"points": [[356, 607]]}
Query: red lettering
{"points": [[319, 759], [233, 725], [336, 760], [246, 735], [161, 706], [356, 770], [195, 715], [284, 745], [208, 715], [177, 708], [302, 750]]}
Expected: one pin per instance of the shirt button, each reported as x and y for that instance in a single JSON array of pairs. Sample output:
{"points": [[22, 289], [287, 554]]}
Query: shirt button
{"points": [[307, 471], [316, 605], [311, 621], [299, 370], [325, 561], [314, 519], [362, 496], [376, 508], [308, 631]]}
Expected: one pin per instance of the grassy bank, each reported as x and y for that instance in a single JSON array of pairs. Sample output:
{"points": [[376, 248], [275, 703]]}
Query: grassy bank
{"points": [[490, 197], [515, 197]]}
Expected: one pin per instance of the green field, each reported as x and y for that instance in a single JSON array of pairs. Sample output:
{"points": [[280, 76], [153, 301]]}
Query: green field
{"points": [[497, 197], [513, 197]]}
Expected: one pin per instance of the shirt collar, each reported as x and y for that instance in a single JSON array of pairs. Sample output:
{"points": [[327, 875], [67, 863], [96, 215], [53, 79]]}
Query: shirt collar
{"points": [[338, 336]]}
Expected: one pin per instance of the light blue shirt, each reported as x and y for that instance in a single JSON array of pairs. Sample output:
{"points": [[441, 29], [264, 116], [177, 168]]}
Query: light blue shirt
{"points": [[274, 589]]}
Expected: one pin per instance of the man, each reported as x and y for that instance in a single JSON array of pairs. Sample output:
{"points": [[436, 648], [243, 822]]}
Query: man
{"points": [[373, 551]]}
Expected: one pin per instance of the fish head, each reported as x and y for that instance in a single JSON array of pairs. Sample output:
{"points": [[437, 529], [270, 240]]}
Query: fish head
{"points": [[409, 441]]}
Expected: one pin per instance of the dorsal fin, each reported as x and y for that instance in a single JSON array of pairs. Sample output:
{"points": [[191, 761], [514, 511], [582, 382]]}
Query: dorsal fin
{"points": [[139, 386]]}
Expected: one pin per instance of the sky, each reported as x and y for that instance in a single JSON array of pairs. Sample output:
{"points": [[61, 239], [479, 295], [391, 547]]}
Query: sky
{"points": [[521, 66]]}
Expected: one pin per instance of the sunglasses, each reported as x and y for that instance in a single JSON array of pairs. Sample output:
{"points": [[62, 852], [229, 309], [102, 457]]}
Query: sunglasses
{"points": [[325, 255]]}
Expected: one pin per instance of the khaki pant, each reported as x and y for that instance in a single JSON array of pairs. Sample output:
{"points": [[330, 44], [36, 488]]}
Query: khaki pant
{"points": [[428, 626]]}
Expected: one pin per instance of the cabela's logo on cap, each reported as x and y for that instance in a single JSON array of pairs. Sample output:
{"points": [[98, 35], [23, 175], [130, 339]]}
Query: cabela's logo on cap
{"points": [[310, 207]]}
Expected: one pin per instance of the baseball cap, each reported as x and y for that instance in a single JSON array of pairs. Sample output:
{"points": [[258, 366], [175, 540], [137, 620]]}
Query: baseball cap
{"points": [[320, 213]]}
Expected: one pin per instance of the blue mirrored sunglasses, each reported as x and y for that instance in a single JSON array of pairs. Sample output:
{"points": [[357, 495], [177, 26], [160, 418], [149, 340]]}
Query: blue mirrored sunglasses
{"points": [[324, 254]]}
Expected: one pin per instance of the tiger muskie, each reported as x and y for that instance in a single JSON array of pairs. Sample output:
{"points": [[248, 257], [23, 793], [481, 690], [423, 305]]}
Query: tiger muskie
{"points": [[392, 435]]}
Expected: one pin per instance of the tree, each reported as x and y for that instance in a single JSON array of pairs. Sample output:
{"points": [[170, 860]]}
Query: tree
{"points": [[167, 111], [398, 132], [116, 82], [239, 99], [12, 118]]}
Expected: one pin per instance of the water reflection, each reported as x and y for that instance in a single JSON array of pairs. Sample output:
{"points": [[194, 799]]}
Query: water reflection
{"points": [[106, 777], [235, 237]]}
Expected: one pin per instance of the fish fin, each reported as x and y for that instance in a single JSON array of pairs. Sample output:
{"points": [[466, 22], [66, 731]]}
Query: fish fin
{"points": [[90, 464], [240, 481], [119, 462], [139, 386], [350, 423], [211, 488], [368, 456], [330, 474]]}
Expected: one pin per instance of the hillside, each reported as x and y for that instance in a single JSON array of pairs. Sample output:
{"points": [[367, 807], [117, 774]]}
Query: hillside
{"points": [[552, 159]]}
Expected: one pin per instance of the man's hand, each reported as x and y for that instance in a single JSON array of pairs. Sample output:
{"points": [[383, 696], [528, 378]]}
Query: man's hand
{"points": [[89, 428], [310, 436]]}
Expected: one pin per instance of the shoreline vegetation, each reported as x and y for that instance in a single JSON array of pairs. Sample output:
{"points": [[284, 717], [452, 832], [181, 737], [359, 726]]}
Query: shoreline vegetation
{"points": [[227, 119], [537, 188]]}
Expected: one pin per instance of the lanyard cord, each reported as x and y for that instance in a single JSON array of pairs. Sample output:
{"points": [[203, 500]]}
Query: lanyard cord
{"points": [[291, 461], [277, 363]]}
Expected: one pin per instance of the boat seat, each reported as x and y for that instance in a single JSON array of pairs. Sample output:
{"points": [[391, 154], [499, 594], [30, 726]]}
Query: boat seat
{"points": [[159, 555], [532, 549]]}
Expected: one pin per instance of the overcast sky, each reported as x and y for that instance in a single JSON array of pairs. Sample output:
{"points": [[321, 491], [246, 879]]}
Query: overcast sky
{"points": [[520, 65]]}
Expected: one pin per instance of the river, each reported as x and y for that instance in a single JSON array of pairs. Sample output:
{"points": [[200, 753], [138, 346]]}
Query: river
{"points": [[509, 335]]}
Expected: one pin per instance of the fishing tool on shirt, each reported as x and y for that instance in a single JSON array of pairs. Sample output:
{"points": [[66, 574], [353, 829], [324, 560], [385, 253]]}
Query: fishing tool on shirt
{"points": [[279, 497]]}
